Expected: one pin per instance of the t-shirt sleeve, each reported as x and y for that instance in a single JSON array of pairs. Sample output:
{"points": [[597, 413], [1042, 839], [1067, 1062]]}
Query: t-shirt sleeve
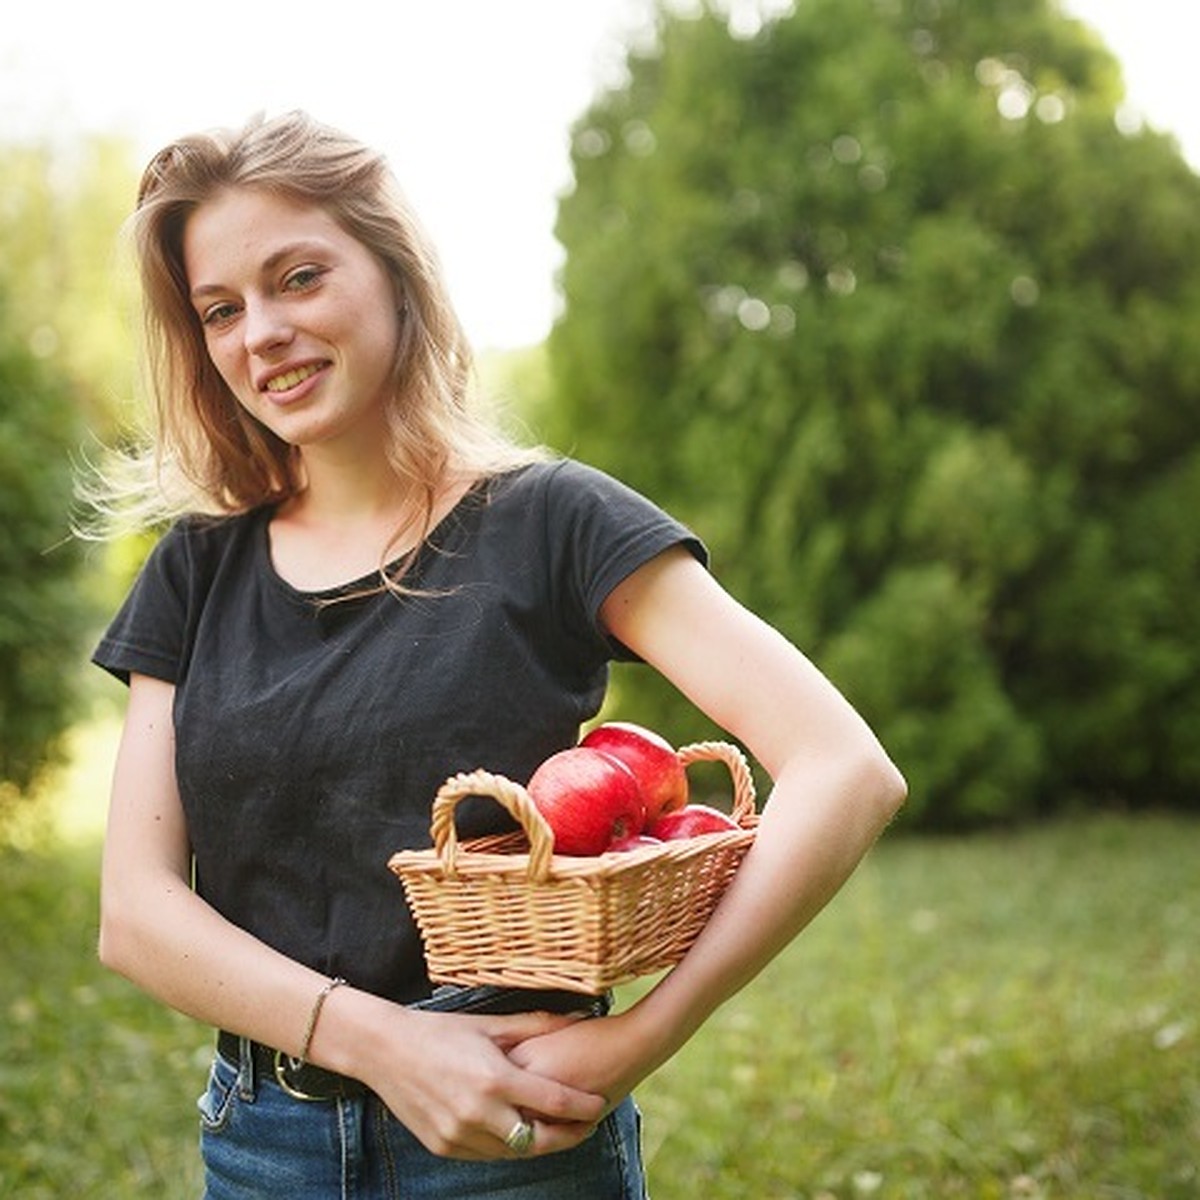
{"points": [[600, 531], [148, 633]]}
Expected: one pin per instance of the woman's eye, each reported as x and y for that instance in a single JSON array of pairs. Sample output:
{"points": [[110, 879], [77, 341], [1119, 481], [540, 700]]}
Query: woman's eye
{"points": [[218, 314], [302, 278]]}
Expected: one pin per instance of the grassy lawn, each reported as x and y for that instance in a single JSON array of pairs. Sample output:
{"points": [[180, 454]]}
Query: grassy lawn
{"points": [[1010, 1015], [1006, 1015]]}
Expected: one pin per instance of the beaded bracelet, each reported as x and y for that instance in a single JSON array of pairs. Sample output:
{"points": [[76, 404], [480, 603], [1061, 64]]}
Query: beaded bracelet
{"points": [[318, 1004]]}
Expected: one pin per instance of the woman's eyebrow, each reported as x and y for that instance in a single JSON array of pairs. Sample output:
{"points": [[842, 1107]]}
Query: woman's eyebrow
{"points": [[269, 264]]}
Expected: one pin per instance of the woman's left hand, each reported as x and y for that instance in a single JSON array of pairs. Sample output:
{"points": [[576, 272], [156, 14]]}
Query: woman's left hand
{"points": [[602, 1055]]}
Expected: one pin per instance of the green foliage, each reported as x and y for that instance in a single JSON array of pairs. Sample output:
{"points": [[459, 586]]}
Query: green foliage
{"points": [[881, 301], [60, 218], [97, 1078], [65, 368], [1005, 1015], [44, 612], [916, 647], [516, 386]]}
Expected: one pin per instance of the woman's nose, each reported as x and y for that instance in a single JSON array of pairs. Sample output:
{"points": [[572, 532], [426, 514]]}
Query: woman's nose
{"points": [[266, 326]]}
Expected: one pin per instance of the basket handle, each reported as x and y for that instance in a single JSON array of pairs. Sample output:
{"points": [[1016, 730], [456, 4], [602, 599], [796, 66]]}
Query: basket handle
{"points": [[517, 801], [512, 797], [739, 769]]}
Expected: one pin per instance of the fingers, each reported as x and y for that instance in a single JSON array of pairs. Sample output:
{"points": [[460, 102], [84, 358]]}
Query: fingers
{"points": [[540, 1094], [476, 1103], [553, 1101], [510, 1031], [525, 1137], [528, 1138], [520, 1138]]}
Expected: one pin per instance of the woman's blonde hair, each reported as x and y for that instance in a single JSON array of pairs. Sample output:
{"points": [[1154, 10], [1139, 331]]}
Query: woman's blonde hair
{"points": [[208, 454]]}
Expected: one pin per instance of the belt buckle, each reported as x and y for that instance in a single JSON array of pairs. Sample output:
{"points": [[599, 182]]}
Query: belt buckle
{"points": [[284, 1063]]}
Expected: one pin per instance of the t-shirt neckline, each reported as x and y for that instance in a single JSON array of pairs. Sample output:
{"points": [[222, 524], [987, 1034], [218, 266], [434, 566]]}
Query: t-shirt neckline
{"points": [[370, 583]]}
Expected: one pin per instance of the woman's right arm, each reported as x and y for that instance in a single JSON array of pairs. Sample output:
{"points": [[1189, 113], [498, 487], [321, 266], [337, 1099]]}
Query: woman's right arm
{"points": [[153, 928], [447, 1078]]}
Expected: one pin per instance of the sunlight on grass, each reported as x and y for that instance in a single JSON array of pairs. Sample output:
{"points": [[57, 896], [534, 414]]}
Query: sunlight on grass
{"points": [[82, 799], [1010, 1015], [70, 805]]}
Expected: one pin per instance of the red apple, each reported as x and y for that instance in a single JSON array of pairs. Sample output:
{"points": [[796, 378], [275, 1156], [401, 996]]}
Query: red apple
{"points": [[651, 758], [691, 821], [589, 800], [635, 841]]}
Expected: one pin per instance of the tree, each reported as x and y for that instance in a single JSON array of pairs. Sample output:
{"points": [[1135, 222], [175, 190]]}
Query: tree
{"points": [[65, 364], [60, 218], [882, 302], [43, 612]]}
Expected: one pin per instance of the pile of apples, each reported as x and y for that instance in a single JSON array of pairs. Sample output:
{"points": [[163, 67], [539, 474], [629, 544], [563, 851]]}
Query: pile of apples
{"points": [[623, 787]]}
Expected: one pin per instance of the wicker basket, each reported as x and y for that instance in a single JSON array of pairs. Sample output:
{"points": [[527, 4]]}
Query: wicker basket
{"points": [[506, 910]]}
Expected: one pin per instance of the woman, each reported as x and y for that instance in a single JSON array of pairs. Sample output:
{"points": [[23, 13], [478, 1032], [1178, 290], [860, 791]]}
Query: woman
{"points": [[364, 590]]}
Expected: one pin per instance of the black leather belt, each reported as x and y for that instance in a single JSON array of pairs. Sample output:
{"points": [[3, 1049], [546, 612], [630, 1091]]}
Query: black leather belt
{"points": [[304, 1081]]}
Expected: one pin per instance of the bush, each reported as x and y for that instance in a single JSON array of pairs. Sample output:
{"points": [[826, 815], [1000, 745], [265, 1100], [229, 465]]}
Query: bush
{"points": [[880, 301], [45, 611]]}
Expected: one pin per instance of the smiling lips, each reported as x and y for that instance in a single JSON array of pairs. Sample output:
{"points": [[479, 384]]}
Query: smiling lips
{"points": [[290, 379]]}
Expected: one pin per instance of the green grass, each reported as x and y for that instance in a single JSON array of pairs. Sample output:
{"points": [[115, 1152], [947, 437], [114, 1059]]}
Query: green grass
{"points": [[96, 1080], [1004, 1015]]}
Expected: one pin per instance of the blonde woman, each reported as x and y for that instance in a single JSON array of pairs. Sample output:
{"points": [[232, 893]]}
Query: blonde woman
{"points": [[364, 588]]}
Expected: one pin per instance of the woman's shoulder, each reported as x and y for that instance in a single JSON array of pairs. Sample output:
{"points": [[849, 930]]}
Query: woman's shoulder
{"points": [[558, 477], [573, 502], [195, 543], [205, 531]]}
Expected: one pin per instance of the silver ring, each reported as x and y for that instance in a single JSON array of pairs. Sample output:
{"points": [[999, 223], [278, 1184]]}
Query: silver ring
{"points": [[520, 1137]]}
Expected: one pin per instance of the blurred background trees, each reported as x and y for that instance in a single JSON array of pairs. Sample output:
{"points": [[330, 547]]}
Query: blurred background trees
{"points": [[64, 366], [878, 298], [882, 302], [41, 609]]}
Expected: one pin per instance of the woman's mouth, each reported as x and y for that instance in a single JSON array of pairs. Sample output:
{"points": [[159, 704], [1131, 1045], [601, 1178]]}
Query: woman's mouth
{"points": [[291, 379]]}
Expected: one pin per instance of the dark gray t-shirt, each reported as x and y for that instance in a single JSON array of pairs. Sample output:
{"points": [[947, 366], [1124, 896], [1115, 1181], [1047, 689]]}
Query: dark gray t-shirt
{"points": [[312, 737]]}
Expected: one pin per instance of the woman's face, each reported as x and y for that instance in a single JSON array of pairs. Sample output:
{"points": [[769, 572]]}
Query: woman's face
{"points": [[299, 318]]}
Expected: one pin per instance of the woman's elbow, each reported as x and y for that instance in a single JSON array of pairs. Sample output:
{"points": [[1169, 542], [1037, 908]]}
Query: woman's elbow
{"points": [[884, 784], [117, 944], [108, 944]]}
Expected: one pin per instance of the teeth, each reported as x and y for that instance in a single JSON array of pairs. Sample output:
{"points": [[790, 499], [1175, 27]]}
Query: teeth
{"points": [[281, 383]]}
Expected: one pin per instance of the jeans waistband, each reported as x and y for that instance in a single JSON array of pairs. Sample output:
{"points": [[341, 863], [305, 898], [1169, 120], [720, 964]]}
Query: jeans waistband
{"points": [[500, 1000], [304, 1081]]}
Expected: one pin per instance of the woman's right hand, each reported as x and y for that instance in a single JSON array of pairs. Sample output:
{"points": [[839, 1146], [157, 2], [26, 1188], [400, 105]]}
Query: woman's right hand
{"points": [[448, 1078]]}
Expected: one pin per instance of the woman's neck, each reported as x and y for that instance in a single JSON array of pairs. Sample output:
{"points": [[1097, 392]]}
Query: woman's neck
{"points": [[345, 525]]}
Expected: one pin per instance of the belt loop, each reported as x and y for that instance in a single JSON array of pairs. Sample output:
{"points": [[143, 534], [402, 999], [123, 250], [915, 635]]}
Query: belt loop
{"points": [[246, 1082]]}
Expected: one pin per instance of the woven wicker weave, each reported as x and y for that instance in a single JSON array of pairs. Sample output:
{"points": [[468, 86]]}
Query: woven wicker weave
{"points": [[506, 910]]}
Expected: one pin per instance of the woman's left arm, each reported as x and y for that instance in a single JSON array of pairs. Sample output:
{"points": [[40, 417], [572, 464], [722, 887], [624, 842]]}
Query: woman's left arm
{"points": [[834, 791]]}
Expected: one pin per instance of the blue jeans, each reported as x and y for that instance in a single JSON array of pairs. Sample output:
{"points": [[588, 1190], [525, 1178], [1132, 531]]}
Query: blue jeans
{"points": [[258, 1142]]}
